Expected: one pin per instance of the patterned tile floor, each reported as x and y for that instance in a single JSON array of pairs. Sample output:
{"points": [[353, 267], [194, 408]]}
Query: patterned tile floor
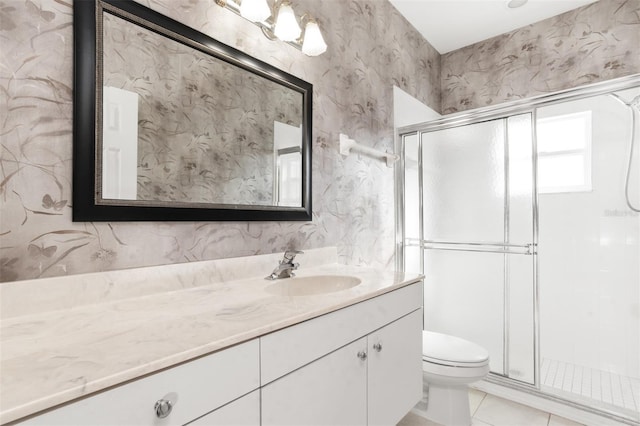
{"points": [[488, 410], [587, 385]]}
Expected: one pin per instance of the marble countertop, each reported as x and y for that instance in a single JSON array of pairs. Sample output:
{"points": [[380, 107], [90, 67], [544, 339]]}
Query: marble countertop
{"points": [[54, 357]]}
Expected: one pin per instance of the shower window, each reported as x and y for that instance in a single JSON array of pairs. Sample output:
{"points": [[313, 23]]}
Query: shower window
{"points": [[564, 153]]}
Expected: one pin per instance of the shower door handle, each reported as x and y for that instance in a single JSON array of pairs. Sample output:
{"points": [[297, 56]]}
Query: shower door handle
{"points": [[474, 246]]}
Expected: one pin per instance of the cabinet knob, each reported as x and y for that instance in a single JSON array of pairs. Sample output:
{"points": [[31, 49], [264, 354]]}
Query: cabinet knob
{"points": [[163, 408], [362, 355], [377, 347]]}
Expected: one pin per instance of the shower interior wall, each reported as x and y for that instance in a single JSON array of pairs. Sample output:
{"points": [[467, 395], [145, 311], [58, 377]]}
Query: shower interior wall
{"points": [[589, 252]]}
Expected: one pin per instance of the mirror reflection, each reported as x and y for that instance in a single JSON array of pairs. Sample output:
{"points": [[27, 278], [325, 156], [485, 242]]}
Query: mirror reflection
{"points": [[183, 127]]}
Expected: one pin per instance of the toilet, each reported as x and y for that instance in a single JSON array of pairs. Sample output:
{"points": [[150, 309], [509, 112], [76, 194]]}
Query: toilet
{"points": [[450, 365]]}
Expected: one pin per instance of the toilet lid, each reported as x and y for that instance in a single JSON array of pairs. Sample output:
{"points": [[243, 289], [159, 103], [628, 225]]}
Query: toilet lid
{"points": [[450, 350]]}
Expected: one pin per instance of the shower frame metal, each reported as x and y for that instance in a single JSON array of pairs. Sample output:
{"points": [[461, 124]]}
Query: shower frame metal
{"points": [[495, 112]]}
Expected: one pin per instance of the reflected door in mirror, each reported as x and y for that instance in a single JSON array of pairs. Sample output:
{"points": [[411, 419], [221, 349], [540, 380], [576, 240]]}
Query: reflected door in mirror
{"points": [[119, 144]]}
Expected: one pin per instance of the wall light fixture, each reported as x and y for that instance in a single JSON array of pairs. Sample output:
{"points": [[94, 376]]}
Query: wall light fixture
{"points": [[280, 22]]}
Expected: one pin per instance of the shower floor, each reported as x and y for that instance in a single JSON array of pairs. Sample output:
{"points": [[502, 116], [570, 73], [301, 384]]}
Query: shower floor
{"points": [[586, 385]]}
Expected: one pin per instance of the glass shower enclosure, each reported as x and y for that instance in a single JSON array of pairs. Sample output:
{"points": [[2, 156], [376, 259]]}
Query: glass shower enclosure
{"points": [[517, 217]]}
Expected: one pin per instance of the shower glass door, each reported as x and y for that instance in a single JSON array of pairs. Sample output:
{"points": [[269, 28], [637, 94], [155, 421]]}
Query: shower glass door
{"points": [[475, 232]]}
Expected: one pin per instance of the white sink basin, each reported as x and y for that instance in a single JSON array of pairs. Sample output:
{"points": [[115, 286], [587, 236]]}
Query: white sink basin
{"points": [[317, 284]]}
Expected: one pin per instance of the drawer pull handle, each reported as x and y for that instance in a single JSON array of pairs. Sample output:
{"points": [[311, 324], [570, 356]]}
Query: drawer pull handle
{"points": [[377, 347], [163, 408], [362, 355]]}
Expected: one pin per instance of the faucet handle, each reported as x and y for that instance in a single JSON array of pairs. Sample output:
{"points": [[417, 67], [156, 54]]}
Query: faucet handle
{"points": [[289, 255]]}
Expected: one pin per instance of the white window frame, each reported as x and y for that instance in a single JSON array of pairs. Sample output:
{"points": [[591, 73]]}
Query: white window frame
{"points": [[586, 118]]}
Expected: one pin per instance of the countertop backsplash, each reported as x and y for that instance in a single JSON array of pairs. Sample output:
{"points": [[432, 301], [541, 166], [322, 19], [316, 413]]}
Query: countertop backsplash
{"points": [[58, 293]]}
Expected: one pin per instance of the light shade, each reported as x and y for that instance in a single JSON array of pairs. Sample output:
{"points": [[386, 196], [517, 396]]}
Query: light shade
{"points": [[287, 28], [313, 44], [255, 10]]}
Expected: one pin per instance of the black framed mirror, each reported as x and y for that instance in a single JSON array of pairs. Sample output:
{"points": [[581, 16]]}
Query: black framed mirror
{"points": [[172, 125]]}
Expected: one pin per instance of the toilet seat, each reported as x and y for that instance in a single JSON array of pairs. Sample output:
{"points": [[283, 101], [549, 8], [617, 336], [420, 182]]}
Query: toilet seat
{"points": [[442, 349], [447, 363]]}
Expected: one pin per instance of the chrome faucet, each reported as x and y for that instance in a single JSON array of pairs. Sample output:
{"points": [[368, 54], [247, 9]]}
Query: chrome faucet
{"points": [[286, 266]]}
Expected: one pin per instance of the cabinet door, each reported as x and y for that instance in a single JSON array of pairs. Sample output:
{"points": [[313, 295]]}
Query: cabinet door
{"points": [[395, 369], [243, 411], [329, 391]]}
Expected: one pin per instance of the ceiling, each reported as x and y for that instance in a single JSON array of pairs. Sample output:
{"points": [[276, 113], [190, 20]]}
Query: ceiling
{"points": [[451, 24]]}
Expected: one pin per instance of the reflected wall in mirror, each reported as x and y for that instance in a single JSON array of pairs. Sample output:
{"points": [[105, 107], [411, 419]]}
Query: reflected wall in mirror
{"points": [[204, 129], [186, 128]]}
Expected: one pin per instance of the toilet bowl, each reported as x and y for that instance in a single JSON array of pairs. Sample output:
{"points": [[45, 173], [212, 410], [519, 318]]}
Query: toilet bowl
{"points": [[450, 364]]}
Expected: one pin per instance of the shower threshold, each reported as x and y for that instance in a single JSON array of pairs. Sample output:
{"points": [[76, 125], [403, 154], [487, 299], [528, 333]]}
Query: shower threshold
{"points": [[566, 405]]}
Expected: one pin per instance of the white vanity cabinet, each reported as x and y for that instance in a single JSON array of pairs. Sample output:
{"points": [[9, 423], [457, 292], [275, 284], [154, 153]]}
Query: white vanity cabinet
{"points": [[357, 366], [217, 381], [360, 365]]}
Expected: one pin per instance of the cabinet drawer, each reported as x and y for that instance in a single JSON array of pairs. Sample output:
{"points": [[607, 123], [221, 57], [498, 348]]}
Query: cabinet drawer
{"points": [[286, 350], [195, 389]]}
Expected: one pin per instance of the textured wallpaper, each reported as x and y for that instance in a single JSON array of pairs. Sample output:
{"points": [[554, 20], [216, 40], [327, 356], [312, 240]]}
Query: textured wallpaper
{"points": [[594, 43], [371, 49], [205, 127]]}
